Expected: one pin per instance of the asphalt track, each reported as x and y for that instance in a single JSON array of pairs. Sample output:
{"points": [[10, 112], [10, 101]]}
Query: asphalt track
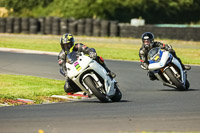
{"points": [[145, 106]]}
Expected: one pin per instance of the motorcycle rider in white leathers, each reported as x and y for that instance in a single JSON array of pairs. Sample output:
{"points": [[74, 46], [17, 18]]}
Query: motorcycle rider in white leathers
{"points": [[68, 45]]}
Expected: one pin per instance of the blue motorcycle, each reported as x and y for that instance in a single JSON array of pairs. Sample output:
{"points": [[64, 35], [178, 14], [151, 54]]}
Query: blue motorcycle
{"points": [[167, 69]]}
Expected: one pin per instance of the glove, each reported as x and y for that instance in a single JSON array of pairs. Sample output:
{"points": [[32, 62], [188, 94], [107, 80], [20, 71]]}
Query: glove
{"points": [[66, 77], [171, 51], [64, 73], [168, 47], [144, 66], [93, 55]]}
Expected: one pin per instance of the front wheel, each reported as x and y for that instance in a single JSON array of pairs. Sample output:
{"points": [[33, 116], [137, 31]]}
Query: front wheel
{"points": [[175, 80], [90, 82]]}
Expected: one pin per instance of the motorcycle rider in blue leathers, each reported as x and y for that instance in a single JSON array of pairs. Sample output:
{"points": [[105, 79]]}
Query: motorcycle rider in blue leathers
{"points": [[147, 44]]}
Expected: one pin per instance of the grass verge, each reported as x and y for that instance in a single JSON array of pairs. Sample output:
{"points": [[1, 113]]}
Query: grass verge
{"points": [[107, 47], [29, 87]]}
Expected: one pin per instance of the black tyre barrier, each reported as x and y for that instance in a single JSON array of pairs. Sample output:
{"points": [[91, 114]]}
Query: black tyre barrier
{"points": [[64, 26], [9, 25], [88, 27], [96, 27], [41, 25], [48, 25], [114, 29], [105, 28], [25, 25], [126, 30], [2, 25], [93, 28], [17, 25], [56, 26], [73, 27], [33, 26], [81, 27]]}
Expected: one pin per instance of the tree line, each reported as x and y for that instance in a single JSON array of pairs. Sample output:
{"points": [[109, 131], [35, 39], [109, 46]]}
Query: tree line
{"points": [[153, 11]]}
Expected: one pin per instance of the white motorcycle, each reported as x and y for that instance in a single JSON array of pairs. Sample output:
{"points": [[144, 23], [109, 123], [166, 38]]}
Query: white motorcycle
{"points": [[167, 69], [92, 78]]}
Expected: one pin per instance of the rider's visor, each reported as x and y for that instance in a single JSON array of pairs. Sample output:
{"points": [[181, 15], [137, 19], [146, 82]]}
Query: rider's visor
{"points": [[146, 42], [67, 46]]}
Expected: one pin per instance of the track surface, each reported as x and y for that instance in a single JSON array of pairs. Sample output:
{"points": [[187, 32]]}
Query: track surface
{"points": [[145, 106]]}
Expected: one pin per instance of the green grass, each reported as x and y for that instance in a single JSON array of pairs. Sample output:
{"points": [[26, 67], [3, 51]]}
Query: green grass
{"points": [[108, 48], [29, 87]]}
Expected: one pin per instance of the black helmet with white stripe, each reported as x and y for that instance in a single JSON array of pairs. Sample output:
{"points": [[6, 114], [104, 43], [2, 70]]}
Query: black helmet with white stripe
{"points": [[147, 39]]}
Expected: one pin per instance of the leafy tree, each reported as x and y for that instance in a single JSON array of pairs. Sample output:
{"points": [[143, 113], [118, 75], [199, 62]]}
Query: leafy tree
{"points": [[153, 11]]}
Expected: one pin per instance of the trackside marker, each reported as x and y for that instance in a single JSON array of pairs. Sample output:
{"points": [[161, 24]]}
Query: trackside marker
{"points": [[25, 100], [40, 131]]}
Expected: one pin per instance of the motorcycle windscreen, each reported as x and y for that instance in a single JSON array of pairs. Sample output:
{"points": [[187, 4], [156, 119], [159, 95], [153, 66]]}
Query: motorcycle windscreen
{"points": [[154, 55], [71, 57]]}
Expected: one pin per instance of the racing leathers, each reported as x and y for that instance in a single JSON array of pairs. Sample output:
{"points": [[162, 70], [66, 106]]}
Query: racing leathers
{"points": [[70, 86], [143, 52]]}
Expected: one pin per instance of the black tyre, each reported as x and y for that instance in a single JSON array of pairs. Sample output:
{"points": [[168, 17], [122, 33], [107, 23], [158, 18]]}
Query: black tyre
{"points": [[33, 26], [96, 27], [25, 25], [174, 80], [114, 30], [105, 25], [118, 95], [88, 27], [98, 93], [187, 85]]}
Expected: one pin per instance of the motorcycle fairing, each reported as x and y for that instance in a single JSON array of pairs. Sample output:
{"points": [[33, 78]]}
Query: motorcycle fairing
{"points": [[86, 64], [157, 65], [165, 59]]}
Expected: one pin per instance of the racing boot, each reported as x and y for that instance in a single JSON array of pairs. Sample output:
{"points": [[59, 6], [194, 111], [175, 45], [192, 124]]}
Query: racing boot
{"points": [[111, 74], [152, 76], [66, 86], [187, 67]]}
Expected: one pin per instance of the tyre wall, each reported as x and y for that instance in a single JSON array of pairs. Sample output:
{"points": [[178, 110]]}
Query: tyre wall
{"points": [[93, 27], [25, 25], [17, 25]]}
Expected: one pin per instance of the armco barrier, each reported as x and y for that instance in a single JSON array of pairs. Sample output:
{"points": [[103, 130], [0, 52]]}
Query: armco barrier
{"points": [[93, 27]]}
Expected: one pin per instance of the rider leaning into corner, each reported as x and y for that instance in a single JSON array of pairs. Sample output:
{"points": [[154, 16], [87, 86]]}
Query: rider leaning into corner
{"points": [[147, 44], [68, 45]]}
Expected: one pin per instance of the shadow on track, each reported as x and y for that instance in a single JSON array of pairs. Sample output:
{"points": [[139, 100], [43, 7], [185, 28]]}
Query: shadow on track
{"points": [[178, 90], [87, 101]]}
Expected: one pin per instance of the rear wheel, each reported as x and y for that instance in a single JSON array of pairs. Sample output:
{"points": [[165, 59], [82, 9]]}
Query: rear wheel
{"points": [[175, 80], [96, 91], [118, 95], [187, 84]]}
